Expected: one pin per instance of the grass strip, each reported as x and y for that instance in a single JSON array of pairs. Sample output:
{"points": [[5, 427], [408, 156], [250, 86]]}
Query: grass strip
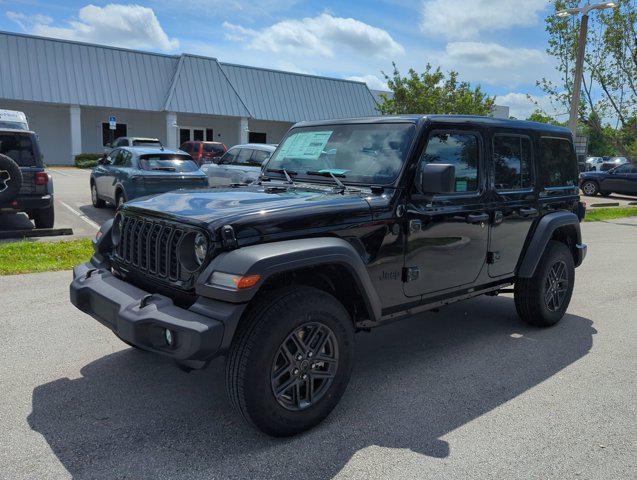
{"points": [[600, 214], [29, 257]]}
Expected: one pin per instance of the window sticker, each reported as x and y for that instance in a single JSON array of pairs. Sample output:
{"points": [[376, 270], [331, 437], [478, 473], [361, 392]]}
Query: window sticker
{"points": [[306, 145]]}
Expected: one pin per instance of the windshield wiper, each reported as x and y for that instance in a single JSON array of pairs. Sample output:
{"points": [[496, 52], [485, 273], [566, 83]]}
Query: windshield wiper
{"points": [[326, 173], [285, 172]]}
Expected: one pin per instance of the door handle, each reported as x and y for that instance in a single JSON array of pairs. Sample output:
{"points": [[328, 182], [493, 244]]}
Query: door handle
{"points": [[478, 218], [527, 212]]}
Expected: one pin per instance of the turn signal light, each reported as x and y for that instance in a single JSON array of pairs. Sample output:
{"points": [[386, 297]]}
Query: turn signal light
{"points": [[234, 282]]}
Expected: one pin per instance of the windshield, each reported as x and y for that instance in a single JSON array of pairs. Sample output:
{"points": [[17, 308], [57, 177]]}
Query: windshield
{"points": [[13, 125], [359, 153], [146, 143], [19, 148], [216, 149], [168, 163]]}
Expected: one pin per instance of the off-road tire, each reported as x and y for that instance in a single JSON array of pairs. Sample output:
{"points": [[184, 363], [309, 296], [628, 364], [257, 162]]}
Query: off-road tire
{"points": [[250, 362], [10, 179], [95, 199], [591, 186], [530, 293], [44, 217]]}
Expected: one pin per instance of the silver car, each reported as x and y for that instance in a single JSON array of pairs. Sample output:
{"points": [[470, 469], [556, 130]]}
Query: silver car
{"points": [[240, 164]]}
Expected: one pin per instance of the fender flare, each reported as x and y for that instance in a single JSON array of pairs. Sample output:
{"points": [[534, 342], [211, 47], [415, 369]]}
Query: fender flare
{"points": [[268, 259], [541, 237]]}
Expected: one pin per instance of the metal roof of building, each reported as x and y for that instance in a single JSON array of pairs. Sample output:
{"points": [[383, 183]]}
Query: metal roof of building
{"points": [[40, 69], [290, 97]]}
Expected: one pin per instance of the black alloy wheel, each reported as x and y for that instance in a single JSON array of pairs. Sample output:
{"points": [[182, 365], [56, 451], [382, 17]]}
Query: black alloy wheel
{"points": [[304, 366]]}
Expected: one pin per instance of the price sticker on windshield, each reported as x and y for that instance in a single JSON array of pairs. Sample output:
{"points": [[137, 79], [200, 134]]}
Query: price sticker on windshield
{"points": [[305, 145]]}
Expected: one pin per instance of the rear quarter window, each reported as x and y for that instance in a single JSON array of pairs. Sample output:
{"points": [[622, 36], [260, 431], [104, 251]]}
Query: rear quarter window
{"points": [[557, 163]]}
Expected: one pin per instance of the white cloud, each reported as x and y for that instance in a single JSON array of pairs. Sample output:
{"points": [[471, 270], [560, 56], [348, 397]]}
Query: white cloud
{"points": [[521, 106], [494, 64], [323, 35], [466, 19], [372, 81], [120, 25]]}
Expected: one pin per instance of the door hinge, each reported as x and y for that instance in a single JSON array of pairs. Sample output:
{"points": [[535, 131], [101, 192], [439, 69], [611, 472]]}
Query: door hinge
{"points": [[410, 274], [493, 257]]}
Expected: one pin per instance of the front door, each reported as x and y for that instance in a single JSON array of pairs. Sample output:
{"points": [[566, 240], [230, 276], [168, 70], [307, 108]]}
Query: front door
{"points": [[622, 179], [448, 233], [514, 201]]}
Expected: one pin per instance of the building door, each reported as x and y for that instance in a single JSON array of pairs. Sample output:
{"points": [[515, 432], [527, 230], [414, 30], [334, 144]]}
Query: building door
{"points": [[448, 233]]}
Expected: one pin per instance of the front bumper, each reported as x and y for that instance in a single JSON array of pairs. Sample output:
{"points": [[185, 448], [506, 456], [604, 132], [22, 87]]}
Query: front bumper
{"points": [[141, 318]]}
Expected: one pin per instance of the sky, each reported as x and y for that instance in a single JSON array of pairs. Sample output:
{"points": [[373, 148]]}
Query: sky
{"points": [[498, 44]]}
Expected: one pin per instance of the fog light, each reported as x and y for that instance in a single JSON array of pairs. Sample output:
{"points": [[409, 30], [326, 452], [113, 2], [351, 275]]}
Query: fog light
{"points": [[170, 339]]}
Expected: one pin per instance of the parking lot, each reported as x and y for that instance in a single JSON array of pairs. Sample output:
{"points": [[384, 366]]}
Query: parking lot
{"points": [[469, 392]]}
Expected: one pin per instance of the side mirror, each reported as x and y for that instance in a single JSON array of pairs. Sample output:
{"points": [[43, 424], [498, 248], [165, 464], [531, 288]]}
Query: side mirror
{"points": [[436, 178]]}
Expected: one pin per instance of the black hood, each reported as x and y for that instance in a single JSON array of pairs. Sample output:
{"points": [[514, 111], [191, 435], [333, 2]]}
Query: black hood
{"points": [[258, 210]]}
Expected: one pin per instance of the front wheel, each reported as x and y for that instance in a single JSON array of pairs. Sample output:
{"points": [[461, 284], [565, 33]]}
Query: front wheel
{"points": [[95, 198], [542, 300], [291, 360]]}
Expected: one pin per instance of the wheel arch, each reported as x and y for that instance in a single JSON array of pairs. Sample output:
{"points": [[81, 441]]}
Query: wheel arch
{"points": [[560, 226], [327, 263]]}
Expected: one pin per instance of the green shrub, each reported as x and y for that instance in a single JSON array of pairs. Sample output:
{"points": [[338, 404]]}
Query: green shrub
{"points": [[87, 160]]}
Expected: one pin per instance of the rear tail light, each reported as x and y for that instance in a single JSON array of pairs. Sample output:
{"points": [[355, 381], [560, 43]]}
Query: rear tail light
{"points": [[41, 178]]}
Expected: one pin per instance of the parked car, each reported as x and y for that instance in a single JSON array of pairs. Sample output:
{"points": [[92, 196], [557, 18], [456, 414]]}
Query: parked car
{"points": [[357, 223], [621, 179], [133, 142], [13, 120], [131, 172], [240, 164], [594, 163], [25, 186], [204, 152]]}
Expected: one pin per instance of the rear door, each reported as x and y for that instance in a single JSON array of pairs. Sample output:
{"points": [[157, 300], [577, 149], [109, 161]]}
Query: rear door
{"points": [[514, 206]]}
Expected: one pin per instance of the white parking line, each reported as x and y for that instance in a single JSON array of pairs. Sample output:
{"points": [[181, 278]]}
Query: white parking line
{"points": [[81, 215], [58, 171]]}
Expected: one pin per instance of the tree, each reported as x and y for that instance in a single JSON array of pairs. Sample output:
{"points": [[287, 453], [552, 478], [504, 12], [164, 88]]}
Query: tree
{"points": [[541, 117], [609, 85], [433, 92]]}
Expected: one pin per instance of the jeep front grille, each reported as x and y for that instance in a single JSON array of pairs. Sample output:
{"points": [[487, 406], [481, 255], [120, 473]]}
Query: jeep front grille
{"points": [[151, 247]]}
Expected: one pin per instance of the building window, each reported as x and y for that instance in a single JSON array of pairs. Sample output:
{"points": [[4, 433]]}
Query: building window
{"points": [[196, 134], [256, 137], [209, 135], [121, 130], [184, 135]]}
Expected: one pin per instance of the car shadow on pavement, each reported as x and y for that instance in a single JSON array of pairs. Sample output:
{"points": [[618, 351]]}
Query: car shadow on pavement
{"points": [[133, 414]]}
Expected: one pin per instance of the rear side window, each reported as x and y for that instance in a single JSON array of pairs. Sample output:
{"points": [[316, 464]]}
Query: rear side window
{"points": [[19, 148], [512, 162], [557, 165], [258, 157], [458, 149]]}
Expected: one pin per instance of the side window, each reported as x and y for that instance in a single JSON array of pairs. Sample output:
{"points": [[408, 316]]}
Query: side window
{"points": [[458, 149], [512, 162], [258, 157], [557, 163], [120, 158], [113, 157], [626, 168], [244, 157], [229, 157], [126, 158]]}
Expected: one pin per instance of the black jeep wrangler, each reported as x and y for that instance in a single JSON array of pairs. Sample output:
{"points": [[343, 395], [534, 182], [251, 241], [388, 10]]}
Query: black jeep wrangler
{"points": [[25, 186], [352, 224]]}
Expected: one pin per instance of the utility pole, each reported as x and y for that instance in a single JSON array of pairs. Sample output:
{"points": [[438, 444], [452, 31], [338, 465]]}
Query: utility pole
{"points": [[581, 49]]}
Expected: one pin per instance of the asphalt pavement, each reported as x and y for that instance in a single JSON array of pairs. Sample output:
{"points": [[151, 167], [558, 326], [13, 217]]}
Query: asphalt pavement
{"points": [[469, 392]]}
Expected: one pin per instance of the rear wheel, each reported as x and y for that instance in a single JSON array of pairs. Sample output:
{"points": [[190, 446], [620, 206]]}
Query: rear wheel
{"points": [[590, 188], [95, 199], [542, 300], [290, 361], [44, 218]]}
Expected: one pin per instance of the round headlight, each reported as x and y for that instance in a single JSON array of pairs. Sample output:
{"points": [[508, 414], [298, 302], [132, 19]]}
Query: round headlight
{"points": [[116, 232], [201, 248]]}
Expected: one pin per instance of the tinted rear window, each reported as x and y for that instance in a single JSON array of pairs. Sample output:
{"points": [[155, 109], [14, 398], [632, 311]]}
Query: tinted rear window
{"points": [[213, 148], [557, 166], [146, 143], [19, 148], [168, 163]]}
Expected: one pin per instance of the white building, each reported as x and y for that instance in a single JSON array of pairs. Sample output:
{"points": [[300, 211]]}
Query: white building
{"points": [[68, 91]]}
